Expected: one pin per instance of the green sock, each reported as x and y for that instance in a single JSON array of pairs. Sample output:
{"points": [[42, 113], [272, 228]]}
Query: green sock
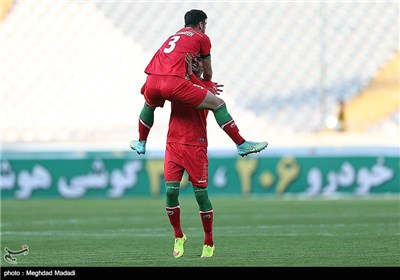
{"points": [[147, 115], [222, 115]]}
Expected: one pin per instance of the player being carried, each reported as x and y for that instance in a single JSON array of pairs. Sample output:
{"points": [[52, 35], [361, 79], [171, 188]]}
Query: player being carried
{"points": [[166, 80]]}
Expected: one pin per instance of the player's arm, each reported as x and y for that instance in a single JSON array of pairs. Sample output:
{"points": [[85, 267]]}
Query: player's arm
{"points": [[207, 75], [196, 80], [215, 88], [205, 55], [193, 78]]}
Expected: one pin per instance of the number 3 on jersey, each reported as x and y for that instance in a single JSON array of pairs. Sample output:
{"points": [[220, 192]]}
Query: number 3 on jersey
{"points": [[172, 44]]}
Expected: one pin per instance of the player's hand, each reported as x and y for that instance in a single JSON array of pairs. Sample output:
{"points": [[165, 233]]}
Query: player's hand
{"points": [[218, 88], [213, 90]]}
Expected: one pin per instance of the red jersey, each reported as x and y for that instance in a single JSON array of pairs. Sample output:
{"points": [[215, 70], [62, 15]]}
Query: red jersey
{"points": [[188, 125], [170, 57]]}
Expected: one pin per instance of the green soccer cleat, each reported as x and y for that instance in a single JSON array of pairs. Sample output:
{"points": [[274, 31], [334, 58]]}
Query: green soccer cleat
{"points": [[138, 146], [178, 246], [248, 147], [208, 251]]}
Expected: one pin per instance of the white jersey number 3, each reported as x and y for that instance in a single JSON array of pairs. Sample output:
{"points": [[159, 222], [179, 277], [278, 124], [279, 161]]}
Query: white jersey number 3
{"points": [[172, 44]]}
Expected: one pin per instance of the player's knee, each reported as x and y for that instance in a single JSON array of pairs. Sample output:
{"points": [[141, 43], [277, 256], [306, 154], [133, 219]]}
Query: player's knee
{"points": [[211, 102], [151, 107], [172, 191], [172, 194], [217, 103], [201, 196], [204, 202], [220, 102]]}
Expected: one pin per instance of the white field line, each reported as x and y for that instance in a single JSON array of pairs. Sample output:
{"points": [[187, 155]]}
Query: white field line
{"points": [[132, 220], [264, 230]]}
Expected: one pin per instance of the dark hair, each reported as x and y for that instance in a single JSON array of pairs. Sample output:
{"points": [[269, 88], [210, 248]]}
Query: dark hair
{"points": [[194, 17]]}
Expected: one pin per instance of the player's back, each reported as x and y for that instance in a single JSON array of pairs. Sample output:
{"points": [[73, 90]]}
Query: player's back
{"points": [[170, 57], [187, 125]]}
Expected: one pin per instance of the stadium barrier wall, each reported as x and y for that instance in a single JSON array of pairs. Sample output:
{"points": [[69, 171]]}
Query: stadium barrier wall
{"points": [[73, 175]]}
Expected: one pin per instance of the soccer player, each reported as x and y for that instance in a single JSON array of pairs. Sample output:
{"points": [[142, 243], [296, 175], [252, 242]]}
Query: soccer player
{"points": [[165, 80], [186, 149]]}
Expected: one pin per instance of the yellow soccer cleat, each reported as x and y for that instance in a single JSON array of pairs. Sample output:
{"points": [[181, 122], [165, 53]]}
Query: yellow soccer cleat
{"points": [[178, 246], [208, 251]]}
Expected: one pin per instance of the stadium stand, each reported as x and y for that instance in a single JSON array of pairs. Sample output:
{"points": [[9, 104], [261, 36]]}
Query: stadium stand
{"points": [[382, 94], [71, 70]]}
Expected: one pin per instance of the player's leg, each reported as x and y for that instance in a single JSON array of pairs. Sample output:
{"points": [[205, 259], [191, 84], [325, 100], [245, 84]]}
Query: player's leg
{"points": [[226, 122], [173, 172], [200, 98], [207, 217], [222, 116], [174, 215], [153, 99], [196, 165], [172, 206], [146, 120]]}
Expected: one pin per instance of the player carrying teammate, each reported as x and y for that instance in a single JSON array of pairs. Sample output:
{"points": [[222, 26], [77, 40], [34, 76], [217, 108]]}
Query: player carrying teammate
{"points": [[186, 149]]}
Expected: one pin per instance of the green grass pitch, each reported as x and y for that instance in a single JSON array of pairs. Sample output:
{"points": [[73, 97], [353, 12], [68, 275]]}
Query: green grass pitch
{"points": [[248, 232]]}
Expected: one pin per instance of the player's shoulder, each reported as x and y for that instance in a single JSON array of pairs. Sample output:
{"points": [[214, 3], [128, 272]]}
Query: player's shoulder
{"points": [[191, 32], [205, 36]]}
